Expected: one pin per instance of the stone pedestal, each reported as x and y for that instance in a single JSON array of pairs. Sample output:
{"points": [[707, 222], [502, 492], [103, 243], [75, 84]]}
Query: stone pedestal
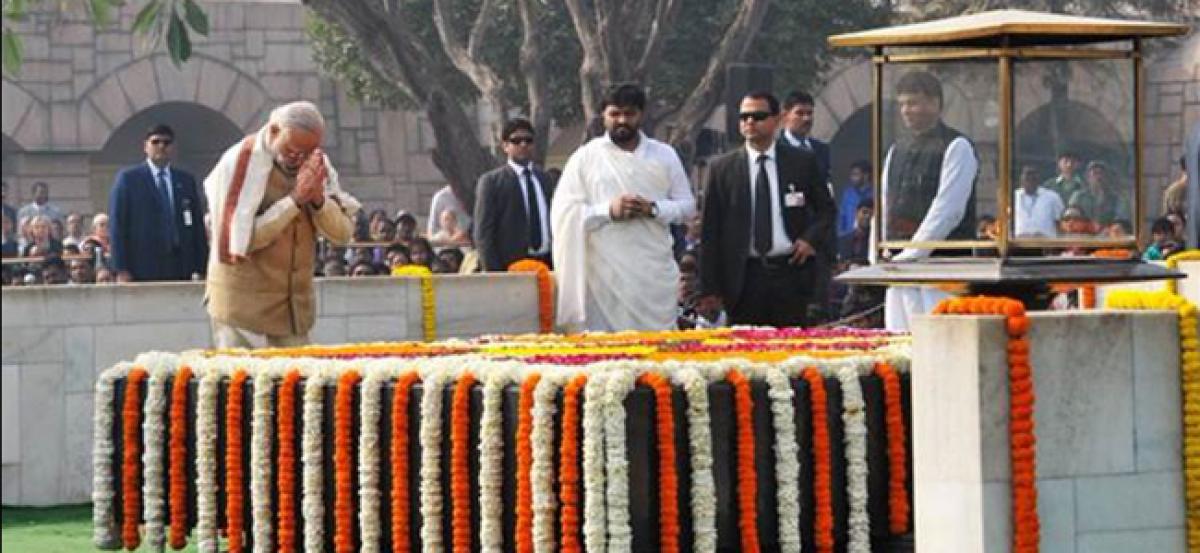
{"points": [[1108, 426]]}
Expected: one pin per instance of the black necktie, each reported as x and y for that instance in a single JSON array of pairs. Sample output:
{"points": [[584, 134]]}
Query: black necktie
{"points": [[168, 210], [762, 209], [535, 214]]}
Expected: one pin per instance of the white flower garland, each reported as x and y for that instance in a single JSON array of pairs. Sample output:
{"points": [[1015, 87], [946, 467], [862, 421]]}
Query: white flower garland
{"points": [[370, 408], [703, 488], [491, 461], [595, 530], [541, 471], [261, 433], [313, 501], [787, 459], [206, 459], [620, 534], [854, 420], [104, 521], [153, 463], [432, 504]]}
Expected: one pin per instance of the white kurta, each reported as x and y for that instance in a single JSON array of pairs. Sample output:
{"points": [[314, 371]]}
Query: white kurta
{"points": [[959, 167], [1037, 214], [617, 275]]}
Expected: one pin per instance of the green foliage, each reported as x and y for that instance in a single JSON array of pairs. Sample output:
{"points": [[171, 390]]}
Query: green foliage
{"points": [[794, 38], [339, 57]]}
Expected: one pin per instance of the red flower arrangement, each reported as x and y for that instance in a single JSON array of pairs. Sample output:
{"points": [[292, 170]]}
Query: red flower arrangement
{"points": [[131, 454], [343, 463], [285, 477], [177, 531], [234, 500], [568, 466], [668, 479], [747, 478], [822, 472], [524, 530], [545, 290], [898, 507], [460, 469], [400, 499]]}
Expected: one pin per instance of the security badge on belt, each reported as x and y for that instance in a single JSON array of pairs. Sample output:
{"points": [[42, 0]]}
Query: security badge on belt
{"points": [[793, 198]]}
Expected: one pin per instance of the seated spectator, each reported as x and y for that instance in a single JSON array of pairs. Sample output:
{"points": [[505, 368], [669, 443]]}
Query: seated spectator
{"points": [[453, 258], [406, 228], [334, 267], [73, 229], [439, 266], [854, 247], [397, 255], [54, 271], [363, 269], [99, 233], [1100, 200], [105, 276], [1037, 208], [41, 240], [449, 233], [80, 272], [362, 226], [1075, 221], [1162, 240], [1118, 229], [381, 229], [420, 252]]}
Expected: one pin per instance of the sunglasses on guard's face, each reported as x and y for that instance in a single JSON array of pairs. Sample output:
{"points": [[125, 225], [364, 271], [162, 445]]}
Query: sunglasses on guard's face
{"points": [[518, 140], [161, 141], [754, 115]]}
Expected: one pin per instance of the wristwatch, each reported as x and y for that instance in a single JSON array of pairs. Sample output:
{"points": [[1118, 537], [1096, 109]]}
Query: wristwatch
{"points": [[654, 209]]}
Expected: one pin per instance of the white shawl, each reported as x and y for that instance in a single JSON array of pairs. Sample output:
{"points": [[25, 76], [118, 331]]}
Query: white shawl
{"points": [[623, 269], [241, 224]]}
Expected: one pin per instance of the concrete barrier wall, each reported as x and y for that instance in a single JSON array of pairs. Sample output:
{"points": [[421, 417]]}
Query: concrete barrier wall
{"points": [[57, 339]]}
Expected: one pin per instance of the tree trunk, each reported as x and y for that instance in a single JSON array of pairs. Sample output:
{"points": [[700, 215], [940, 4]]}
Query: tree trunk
{"points": [[535, 77], [458, 154]]}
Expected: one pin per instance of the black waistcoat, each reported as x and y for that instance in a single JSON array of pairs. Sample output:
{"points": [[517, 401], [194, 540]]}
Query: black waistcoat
{"points": [[913, 176]]}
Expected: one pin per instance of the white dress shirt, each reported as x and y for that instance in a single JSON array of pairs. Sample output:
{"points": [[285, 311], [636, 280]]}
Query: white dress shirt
{"points": [[1037, 214], [166, 173], [543, 206], [799, 142], [679, 204], [959, 167], [780, 245]]}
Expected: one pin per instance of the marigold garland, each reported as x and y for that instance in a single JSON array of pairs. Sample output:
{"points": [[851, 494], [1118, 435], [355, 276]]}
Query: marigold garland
{"points": [[747, 478], [568, 466], [400, 451], [428, 297], [545, 290], [286, 475], [668, 479], [898, 506], [1087, 296], [343, 503], [822, 459], [460, 470], [233, 462], [1022, 441], [178, 459], [524, 530], [1189, 368], [131, 452]]}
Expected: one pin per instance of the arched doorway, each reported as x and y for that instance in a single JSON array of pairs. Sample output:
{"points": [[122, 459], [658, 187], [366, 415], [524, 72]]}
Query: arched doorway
{"points": [[201, 136], [851, 143]]}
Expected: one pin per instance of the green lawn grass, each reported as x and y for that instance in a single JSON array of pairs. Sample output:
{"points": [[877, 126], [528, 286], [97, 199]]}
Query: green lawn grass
{"points": [[49, 530]]}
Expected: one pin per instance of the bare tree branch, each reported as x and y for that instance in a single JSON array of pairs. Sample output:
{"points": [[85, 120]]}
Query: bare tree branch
{"points": [[490, 86], [534, 72], [664, 16], [594, 67]]}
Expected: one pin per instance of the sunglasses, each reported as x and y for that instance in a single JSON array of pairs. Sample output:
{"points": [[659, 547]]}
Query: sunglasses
{"points": [[521, 140], [755, 115], [161, 141]]}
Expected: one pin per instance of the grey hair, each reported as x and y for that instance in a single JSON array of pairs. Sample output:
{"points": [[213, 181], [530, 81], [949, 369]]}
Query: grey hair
{"points": [[298, 115]]}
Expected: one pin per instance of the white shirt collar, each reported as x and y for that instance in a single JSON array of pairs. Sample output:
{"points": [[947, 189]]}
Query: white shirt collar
{"points": [[641, 140], [753, 154], [518, 168], [154, 169], [795, 140]]}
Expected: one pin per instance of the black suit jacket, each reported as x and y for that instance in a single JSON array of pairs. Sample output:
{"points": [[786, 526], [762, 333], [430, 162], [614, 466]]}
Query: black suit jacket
{"points": [[501, 222], [139, 243], [725, 235]]}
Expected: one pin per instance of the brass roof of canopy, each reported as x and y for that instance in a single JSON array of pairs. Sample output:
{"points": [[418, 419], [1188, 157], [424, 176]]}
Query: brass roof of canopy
{"points": [[1019, 27]]}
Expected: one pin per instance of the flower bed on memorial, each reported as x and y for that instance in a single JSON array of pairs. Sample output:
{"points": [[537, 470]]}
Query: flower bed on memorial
{"points": [[750, 439]]}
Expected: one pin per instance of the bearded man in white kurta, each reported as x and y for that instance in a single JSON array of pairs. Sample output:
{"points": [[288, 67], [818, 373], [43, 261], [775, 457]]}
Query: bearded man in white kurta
{"points": [[612, 244]]}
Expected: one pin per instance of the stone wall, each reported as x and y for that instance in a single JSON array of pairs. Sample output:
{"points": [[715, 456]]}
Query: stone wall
{"points": [[57, 339]]}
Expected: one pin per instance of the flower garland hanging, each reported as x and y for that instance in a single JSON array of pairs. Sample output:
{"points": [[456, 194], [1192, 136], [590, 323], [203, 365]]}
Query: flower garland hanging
{"points": [[153, 469], [1172, 285], [898, 506], [370, 530], [131, 443], [568, 467], [1022, 441], [822, 459], [261, 436], [401, 508], [524, 507], [431, 460], [854, 422], [104, 527], [668, 479], [545, 285], [311, 443], [616, 458], [343, 502], [704, 488], [1189, 369], [177, 534], [233, 462], [286, 459], [428, 297], [541, 469], [747, 478], [460, 469], [595, 529], [207, 422], [491, 459], [787, 458]]}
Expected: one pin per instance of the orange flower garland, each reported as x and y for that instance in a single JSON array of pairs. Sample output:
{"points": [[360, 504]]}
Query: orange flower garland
{"points": [[286, 475], [668, 480], [1022, 442], [898, 507], [545, 290], [233, 462], [1087, 296], [568, 466], [178, 459], [822, 471], [460, 469], [524, 531], [747, 478], [343, 502], [400, 499], [131, 454]]}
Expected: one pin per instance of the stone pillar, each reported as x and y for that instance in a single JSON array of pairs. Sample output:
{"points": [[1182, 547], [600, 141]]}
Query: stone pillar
{"points": [[1108, 426]]}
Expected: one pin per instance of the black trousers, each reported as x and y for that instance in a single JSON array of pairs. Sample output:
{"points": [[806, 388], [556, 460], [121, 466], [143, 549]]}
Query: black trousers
{"points": [[775, 293]]}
